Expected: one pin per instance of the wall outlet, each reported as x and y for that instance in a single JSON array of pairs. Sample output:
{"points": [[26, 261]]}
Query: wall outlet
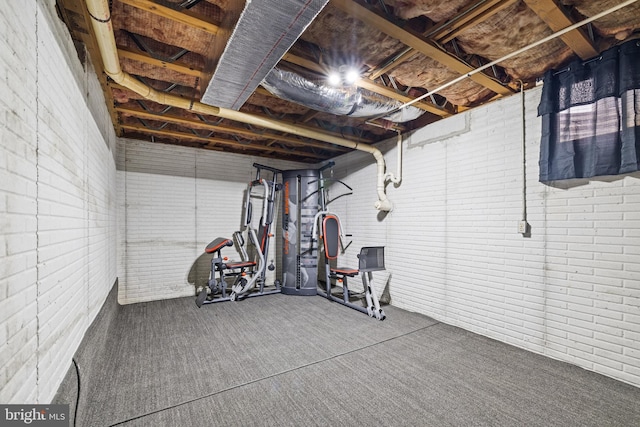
{"points": [[523, 227]]}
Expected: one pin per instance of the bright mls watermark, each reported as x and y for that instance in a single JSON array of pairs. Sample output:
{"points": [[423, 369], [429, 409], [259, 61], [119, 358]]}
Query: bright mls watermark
{"points": [[34, 415]]}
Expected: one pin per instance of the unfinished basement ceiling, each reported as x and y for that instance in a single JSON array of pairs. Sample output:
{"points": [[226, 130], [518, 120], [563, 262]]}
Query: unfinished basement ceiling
{"points": [[403, 49]]}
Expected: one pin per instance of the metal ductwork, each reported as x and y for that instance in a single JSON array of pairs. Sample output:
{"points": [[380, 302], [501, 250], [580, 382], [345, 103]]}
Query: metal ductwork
{"points": [[264, 32], [101, 23], [354, 102]]}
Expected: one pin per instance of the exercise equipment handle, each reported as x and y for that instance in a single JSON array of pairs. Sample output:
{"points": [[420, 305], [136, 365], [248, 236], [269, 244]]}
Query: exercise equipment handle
{"points": [[267, 168], [327, 166]]}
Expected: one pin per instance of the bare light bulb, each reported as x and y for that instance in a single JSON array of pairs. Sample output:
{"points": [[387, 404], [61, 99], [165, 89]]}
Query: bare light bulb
{"points": [[334, 79], [351, 76]]}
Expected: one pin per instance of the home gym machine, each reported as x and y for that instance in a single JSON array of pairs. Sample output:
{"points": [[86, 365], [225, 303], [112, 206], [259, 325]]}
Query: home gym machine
{"points": [[299, 252], [370, 259], [306, 222], [249, 274]]}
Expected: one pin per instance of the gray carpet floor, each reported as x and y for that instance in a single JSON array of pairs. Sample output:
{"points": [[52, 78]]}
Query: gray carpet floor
{"points": [[283, 360]]}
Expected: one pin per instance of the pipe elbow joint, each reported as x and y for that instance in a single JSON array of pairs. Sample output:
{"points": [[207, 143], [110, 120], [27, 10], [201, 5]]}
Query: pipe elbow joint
{"points": [[384, 205]]}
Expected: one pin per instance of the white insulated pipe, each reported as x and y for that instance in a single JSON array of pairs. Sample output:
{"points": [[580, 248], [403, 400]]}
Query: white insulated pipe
{"points": [[390, 176], [103, 29]]}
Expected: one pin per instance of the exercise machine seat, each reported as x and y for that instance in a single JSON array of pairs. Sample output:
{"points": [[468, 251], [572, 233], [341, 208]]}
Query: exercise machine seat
{"points": [[345, 271], [218, 244]]}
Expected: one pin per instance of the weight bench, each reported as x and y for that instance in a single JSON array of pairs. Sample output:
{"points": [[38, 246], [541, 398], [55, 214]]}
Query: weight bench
{"points": [[250, 271], [370, 259]]}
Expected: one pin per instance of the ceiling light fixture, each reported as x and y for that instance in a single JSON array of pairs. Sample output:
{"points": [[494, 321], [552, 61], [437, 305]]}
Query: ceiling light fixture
{"points": [[343, 76], [351, 76], [334, 78]]}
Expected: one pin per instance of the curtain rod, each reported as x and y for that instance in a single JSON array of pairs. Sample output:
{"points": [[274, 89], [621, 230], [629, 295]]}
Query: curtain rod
{"points": [[588, 61]]}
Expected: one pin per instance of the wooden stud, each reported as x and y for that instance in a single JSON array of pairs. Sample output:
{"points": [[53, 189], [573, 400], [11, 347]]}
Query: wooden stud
{"points": [[184, 17], [363, 12], [148, 59], [398, 96], [217, 141], [371, 86], [551, 13], [468, 17], [224, 129]]}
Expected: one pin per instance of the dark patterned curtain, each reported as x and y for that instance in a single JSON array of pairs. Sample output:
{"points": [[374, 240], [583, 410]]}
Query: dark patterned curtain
{"points": [[591, 116]]}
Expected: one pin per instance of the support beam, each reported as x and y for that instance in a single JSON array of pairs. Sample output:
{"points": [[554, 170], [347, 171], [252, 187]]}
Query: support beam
{"points": [[148, 59], [398, 96], [370, 86], [353, 138], [398, 59], [382, 90], [308, 116], [556, 18], [445, 32], [467, 18], [184, 17], [370, 17], [224, 129], [214, 142]]}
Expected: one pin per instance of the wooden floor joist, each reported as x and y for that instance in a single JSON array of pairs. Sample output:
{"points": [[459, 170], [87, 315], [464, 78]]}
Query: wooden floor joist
{"points": [[184, 16], [371, 17], [148, 59], [467, 18], [213, 141], [371, 86], [549, 11], [198, 124]]}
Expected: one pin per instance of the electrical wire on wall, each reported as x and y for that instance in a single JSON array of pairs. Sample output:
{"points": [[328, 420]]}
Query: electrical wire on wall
{"points": [[75, 412]]}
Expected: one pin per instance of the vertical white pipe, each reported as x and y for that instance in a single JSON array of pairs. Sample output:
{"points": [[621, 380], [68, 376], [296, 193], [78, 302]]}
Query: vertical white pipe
{"points": [[396, 179], [523, 215]]}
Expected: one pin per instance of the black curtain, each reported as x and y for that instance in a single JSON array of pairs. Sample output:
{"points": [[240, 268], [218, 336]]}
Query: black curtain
{"points": [[591, 116]]}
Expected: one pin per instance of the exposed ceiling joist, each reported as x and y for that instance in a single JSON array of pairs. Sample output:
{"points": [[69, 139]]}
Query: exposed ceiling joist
{"points": [[329, 133], [370, 31], [184, 16], [398, 96], [212, 141], [445, 32], [364, 83], [370, 17], [309, 115], [371, 86], [148, 59], [556, 18], [384, 68], [224, 129], [467, 18]]}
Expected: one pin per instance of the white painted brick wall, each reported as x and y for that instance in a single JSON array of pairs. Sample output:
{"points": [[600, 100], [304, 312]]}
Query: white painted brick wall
{"points": [[18, 195], [571, 291], [174, 201], [57, 201]]}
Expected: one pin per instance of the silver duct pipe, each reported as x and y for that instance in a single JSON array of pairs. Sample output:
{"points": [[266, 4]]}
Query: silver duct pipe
{"points": [[264, 32], [356, 102], [103, 29]]}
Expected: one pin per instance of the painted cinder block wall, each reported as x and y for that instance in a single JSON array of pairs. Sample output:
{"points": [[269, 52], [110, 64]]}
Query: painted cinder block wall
{"points": [[57, 201], [173, 202], [571, 291]]}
